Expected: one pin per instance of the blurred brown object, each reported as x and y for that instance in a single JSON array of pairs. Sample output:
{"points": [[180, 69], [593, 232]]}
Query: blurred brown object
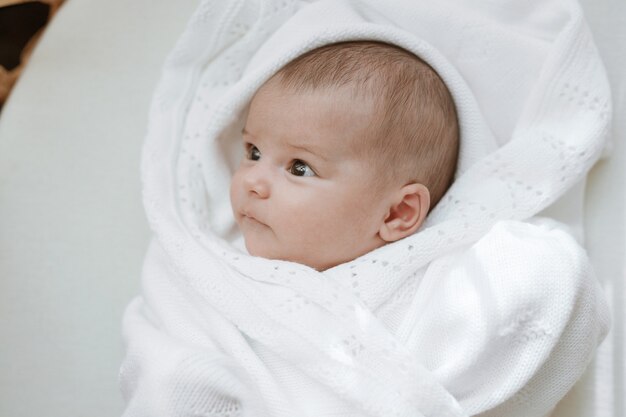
{"points": [[21, 24], [53, 3]]}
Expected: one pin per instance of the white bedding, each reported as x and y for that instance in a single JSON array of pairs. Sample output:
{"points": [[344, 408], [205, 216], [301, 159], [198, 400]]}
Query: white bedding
{"points": [[72, 230]]}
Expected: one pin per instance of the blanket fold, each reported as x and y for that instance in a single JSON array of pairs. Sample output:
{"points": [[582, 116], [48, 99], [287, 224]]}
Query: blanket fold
{"points": [[487, 310]]}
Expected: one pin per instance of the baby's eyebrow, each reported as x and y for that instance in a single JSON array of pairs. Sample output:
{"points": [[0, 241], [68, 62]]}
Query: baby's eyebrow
{"points": [[313, 150], [307, 148]]}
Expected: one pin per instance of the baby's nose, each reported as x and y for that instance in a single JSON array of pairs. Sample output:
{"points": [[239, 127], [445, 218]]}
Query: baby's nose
{"points": [[257, 182]]}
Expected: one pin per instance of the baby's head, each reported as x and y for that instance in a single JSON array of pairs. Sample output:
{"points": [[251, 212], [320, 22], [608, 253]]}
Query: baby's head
{"points": [[346, 149]]}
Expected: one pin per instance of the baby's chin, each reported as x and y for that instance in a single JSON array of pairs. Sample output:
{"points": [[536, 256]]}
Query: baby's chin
{"points": [[264, 251]]}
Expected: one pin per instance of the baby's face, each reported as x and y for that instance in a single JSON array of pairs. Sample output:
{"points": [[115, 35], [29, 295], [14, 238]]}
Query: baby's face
{"points": [[302, 193]]}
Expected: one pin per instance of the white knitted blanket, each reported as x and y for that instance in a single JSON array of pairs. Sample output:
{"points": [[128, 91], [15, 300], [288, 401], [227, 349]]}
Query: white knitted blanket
{"points": [[487, 310]]}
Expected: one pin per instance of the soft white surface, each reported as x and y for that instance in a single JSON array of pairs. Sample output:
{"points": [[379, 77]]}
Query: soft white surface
{"points": [[602, 391], [72, 231]]}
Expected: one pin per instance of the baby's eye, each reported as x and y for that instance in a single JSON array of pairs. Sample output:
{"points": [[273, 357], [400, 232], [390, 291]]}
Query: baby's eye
{"points": [[301, 169], [252, 152]]}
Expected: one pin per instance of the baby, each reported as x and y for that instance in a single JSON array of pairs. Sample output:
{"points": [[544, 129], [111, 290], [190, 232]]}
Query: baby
{"points": [[487, 311], [347, 148]]}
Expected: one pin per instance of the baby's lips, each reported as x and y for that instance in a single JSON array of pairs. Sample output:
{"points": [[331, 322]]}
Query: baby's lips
{"points": [[252, 216]]}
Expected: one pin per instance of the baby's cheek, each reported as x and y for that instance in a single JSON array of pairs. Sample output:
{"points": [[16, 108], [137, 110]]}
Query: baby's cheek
{"points": [[302, 225]]}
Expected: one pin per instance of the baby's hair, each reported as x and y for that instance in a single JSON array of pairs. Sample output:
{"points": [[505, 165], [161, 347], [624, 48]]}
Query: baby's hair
{"points": [[416, 137]]}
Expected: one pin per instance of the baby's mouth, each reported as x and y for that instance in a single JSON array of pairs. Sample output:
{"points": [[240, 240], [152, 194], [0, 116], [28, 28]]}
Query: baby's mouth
{"points": [[247, 217]]}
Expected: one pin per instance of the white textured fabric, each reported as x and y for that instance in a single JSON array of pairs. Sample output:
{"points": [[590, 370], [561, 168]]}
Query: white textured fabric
{"points": [[487, 310]]}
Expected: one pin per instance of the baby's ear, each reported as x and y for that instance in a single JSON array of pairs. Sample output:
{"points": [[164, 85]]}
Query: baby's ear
{"points": [[407, 212]]}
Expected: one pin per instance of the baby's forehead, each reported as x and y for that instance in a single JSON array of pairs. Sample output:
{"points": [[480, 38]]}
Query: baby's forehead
{"points": [[332, 117], [343, 98]]}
